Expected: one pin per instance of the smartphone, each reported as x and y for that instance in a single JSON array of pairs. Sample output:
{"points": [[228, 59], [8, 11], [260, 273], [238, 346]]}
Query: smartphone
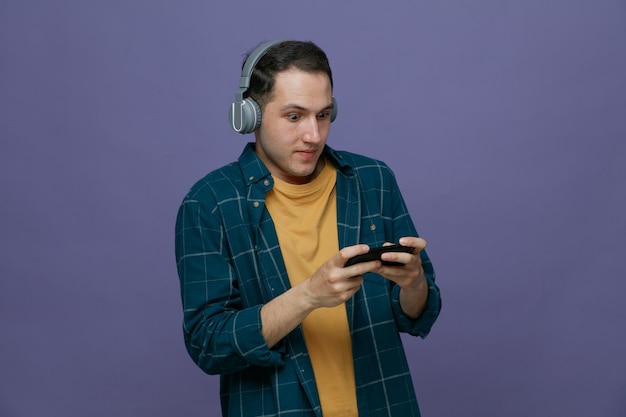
{"points": [[374, 254]]}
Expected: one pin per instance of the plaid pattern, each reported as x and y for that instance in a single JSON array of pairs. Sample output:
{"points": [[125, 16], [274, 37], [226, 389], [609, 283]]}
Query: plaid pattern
{"points": [[229, 263]]}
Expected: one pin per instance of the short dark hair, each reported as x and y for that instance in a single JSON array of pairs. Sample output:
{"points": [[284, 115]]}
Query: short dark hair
{"points": [[305, 56]]}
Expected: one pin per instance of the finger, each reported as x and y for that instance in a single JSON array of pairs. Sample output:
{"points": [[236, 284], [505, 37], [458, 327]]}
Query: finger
{"points": [[414, 242], [398, 257], [361, 268], [349, 252]]}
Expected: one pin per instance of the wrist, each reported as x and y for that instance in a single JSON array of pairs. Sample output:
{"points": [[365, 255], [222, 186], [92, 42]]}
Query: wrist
{"points": [[413, 297], [304, 296], [415, 286]]}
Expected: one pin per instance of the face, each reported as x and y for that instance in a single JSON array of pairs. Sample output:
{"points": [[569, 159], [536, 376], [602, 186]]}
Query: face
{"points": [[295, 126]]}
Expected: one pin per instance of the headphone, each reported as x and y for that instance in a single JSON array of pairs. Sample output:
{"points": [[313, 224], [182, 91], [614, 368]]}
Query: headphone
{"points": [[245, 113]]}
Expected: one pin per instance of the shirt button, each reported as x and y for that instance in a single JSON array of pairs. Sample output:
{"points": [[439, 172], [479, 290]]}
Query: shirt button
{"points": [[372, 227], [255, 204], [266, 182], [251, 179]]}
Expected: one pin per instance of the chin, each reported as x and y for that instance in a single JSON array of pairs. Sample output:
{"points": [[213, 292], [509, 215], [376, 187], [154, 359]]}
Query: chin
{"points": [[300, 177]]}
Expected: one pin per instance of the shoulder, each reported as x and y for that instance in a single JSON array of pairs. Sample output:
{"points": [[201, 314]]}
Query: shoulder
{"points": [[223, 183], [363, 166]]}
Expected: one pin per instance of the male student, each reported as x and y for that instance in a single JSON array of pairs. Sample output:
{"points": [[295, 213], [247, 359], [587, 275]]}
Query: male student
{"points": [[262, 247]]}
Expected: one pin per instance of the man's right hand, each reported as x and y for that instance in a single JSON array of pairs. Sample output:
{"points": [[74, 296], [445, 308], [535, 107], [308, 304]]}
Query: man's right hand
{"points": [[333, 284]]}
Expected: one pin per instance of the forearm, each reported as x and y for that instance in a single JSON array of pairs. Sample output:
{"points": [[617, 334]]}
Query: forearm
{"points": [[283, 314], [413, 298]]}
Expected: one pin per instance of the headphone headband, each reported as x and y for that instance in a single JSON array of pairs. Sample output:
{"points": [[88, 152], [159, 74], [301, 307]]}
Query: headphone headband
{"points": [[251, 61]]}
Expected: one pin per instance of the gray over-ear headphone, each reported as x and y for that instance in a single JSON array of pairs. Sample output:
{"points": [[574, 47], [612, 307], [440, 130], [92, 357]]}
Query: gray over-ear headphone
{"points": [[245, 113]]}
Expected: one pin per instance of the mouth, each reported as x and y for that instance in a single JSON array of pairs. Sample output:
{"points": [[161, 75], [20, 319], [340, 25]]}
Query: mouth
{"points": [[307, 153]]}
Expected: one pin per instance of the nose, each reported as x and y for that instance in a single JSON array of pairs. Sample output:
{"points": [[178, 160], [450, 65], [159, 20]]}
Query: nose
{"points": [[311, 133]]}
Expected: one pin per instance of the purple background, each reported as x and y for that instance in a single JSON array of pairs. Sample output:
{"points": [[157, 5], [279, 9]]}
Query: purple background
{"points": [[505, 123]]}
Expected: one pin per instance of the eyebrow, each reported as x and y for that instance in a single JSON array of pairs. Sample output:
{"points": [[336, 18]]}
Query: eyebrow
{"points": [[299, 107]]}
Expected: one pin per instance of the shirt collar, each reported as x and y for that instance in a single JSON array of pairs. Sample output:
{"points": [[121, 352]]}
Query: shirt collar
{"points": [[252, 167], [338, 160]]}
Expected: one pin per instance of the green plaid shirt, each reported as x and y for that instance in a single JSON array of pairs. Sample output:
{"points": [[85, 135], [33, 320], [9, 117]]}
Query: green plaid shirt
{"points": [[230, 264]]}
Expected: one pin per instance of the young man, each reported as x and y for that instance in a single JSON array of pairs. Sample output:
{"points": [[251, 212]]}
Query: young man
{"points": [[261, 249]]}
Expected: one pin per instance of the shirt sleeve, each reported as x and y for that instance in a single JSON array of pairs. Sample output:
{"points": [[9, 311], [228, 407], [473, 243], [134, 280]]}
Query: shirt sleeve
{"points": [[221, 335]]}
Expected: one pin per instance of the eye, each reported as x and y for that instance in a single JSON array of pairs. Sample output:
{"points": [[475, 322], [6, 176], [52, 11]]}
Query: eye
{"points": [[293, 116], [323, 115]]}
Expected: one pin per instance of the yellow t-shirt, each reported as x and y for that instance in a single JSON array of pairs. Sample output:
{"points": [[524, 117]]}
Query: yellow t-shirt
{"points": [[305, 217]]}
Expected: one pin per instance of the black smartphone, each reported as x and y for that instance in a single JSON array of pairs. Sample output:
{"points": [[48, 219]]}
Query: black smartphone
{"points": [[374, 254]]}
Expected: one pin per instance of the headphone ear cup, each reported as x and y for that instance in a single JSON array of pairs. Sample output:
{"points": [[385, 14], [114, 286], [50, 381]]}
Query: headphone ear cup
{"points": [[251, 116], [245, 116], [333, 112]]}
